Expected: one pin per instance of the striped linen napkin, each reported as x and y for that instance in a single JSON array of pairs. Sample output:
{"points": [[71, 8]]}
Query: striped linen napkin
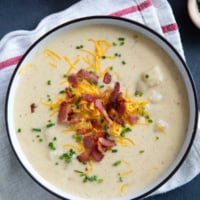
{"points": [[15, 184]]}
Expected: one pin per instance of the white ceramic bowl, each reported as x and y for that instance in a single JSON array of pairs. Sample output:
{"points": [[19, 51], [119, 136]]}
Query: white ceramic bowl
{"points": [[127, 24]]}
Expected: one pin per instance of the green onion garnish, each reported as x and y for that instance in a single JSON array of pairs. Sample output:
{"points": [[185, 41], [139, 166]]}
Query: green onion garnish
{"points": [[123, 62], [114, 150], [50, 125], [36, 129], [52, 146], [116, 163], [124, 131], [19, 130], [49, 82]]}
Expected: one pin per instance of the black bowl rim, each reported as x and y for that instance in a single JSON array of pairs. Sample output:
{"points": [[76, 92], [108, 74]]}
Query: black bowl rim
{"points": [[141, 26]]}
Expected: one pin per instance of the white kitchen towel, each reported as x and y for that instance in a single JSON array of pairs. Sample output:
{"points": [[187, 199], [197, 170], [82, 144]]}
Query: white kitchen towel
{"points": [[15, 184]]}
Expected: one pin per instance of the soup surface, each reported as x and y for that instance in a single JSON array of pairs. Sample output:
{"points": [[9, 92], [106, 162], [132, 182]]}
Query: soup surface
{"points": [[100, 112]]}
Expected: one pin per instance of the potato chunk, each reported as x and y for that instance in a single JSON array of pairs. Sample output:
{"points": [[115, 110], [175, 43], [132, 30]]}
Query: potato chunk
{"points": [[153, 77], [161, 126], [154, 96]]}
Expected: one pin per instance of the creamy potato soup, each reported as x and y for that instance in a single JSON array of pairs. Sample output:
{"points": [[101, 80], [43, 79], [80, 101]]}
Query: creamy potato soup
{"points": [[100, 112]]}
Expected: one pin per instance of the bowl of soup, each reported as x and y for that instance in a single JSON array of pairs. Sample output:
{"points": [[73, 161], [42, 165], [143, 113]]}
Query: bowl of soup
{"points": [[101, 108]]}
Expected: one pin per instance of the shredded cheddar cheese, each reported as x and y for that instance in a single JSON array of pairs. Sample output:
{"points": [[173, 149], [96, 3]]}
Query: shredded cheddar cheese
{"points": [[53, 55], [24, 67], [78, 149], [126, 173], [122, 188]]}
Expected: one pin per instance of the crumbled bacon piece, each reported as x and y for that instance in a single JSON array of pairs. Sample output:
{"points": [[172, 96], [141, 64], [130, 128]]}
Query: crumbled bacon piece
{"points": [[33, 106], [97, 155], [120, 108], [133, 119], [73, 118], [95, 124], [115, 92], [68, 92], [98, 104], [107, 78], [63, 112], [89, 142], [88, 97], [91, 151], [87, 76], [85, 156], [106, 142], [83, 131], [73, 79]]}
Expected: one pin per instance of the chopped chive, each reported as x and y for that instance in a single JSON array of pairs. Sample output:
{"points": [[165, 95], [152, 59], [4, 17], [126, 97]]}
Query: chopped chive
{"points": [[54, 139], [120, 178], [36, 129], [49, 82], [77, 137], [87, 178], [67, 157], [114, 44], [114, 150], [117, 55], [121, 39], [150, 121], [40, 140], [19, 130], [105, 127], [79, 47], [52, 146], [50, 125], [91, 82], [121, 43], [116, 163], [146, 76], [138, 93], [77, 101], [111, 68], [48, 97], [84, 163], [64, 75], [101, 86], [37, 136], [157, 138], [103, 57], [141, 151], [124, 131], [56, 163], [100, 180], [123, 62], [62, 92]]}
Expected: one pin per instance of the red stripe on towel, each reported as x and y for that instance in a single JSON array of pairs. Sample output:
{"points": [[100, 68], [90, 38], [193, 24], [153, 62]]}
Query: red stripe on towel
{"points": [[10, 61], [132, 9], [169, 27]]}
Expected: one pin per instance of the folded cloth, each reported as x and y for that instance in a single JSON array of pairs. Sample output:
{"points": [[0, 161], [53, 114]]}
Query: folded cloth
{"points": [[15, 184]]}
